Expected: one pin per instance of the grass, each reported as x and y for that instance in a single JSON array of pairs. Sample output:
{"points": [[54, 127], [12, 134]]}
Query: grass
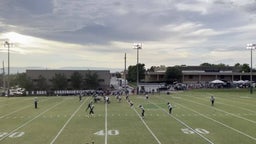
{"points": [[63, 120]]}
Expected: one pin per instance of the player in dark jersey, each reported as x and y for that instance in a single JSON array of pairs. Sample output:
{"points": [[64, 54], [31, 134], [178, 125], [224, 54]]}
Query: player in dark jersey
{"points": [[89, 106], [80, 97], [212, 99], [131, 103], [35, 102], [91, 110], [127, 97]]}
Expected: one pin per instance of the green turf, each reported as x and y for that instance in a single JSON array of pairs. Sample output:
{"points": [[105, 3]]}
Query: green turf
{"points": [[64, 120]]}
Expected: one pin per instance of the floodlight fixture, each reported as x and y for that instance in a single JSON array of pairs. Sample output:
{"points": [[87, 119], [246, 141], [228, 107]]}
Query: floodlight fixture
{"points": [[137, 46]]}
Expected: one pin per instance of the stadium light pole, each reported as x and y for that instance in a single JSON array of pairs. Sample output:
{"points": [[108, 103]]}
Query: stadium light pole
{"points": [[8, 45], [251, 47], [137, 46]]}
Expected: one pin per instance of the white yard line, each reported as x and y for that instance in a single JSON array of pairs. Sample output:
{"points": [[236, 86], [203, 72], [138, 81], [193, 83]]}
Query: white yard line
{"points": [[183, 123], [30, 121], [238, 131], [147, 127], [106, 123], [67, 122], [252, 121], [14, 103], [239, 107], [32, 104], [14, 111]]}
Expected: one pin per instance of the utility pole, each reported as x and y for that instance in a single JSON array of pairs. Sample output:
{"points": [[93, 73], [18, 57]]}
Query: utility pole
{"points": [[125, 72], [4, 78], [8, 45]]}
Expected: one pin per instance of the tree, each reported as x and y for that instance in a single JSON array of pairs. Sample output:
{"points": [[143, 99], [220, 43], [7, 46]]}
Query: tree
{"points": [[237, 65], [173, 74], [23, 81], [76, 80], [156, 68], [245, 68], [206, 64], [91, 80], [132, 72], [59, 82], [221, 65], [151, 69], [42, 83], [142, 72]]}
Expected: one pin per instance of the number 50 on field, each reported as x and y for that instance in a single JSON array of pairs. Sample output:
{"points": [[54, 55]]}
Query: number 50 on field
{"points": [[197, 130]]}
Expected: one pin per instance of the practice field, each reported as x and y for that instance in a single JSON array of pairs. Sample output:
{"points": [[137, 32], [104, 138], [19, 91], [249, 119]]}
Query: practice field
{"points": [[64, 120]]}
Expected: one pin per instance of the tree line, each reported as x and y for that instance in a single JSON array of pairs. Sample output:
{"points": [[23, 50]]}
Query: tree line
{"points": [[59, 81], [90, 80]]}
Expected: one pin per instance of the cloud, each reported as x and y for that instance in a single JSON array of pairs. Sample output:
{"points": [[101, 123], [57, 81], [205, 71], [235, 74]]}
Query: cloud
{"points": [[97, 33], [200, 8]]}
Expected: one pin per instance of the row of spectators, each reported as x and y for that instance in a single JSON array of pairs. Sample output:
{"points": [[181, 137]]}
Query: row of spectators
{"points": [[68, 92]]}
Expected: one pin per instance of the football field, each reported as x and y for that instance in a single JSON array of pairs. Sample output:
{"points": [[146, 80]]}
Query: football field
{"points": [[64, 120]]}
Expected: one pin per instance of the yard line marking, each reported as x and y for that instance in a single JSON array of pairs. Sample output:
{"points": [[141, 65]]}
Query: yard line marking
{"points": [[226, 104], [30, 120], [15, 111], [252, 121], [183, 123], [67, 122], [237, 99], [240, 132], [147, 127], [10, 99], [106, 122], [244, 97]]}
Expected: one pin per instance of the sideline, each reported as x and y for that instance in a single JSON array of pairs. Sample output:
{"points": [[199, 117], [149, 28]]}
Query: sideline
{"points": [[183, 123], [68, 122], [30, 120]]}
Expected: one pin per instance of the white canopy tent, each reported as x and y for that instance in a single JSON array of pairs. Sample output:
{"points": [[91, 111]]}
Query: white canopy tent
{"points": [[240, 82], [217, 82]]}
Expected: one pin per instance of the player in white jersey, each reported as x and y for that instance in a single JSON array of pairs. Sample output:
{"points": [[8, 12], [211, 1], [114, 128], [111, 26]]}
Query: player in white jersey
{"points": [[142, 111], [169, 107]]}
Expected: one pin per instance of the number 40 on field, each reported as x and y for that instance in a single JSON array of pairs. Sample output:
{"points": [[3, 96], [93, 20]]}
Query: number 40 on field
{"points": [[109, 132]]}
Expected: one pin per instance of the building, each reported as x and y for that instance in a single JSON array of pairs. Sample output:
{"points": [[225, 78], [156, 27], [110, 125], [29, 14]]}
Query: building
{"points": [[103, 76], [202, 74]]}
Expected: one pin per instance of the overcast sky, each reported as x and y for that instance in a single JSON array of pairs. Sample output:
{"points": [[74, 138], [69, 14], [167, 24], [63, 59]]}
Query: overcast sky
{"points": [[96, 33]]}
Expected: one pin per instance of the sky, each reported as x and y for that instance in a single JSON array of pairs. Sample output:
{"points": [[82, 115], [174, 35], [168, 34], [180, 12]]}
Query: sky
{"points": [[55, 34]]}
